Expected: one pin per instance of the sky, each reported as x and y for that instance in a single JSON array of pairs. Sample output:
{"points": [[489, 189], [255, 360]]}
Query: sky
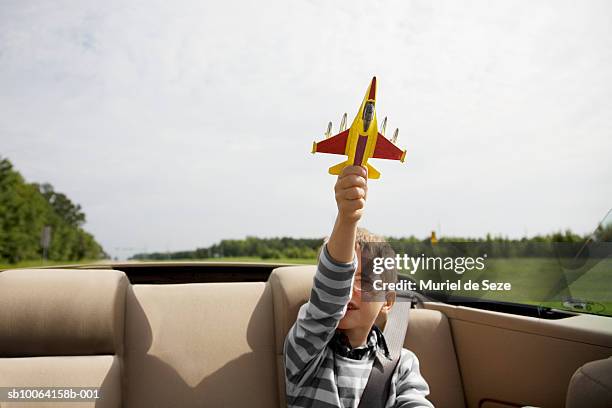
{"points": [[178, 124]]}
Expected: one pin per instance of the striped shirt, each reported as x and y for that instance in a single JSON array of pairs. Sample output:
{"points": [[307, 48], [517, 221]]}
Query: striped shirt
{"points": [[315, 375]]}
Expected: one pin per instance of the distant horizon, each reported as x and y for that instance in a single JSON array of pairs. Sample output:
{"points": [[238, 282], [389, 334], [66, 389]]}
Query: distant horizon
{"points": [[442, 237]]}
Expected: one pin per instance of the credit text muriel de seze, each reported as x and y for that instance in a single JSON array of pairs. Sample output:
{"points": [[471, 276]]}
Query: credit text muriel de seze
{"points": [[412, 264]]}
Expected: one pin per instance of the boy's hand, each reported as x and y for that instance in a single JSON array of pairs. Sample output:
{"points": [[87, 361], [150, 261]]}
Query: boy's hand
{"points": [[351, 192]]}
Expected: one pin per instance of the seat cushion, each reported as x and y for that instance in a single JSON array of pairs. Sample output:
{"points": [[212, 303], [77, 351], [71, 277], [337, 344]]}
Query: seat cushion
{"points": [[51, 312]]}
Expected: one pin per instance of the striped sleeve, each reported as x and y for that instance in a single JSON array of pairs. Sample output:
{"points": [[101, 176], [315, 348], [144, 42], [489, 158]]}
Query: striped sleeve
{"points": [[410, 386], [317, 319]]}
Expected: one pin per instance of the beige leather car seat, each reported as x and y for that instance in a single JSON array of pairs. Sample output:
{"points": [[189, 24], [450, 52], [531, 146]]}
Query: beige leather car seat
{"points": [[591, 386], [429, 336], [62, 328], [200, 345], [186, 345]]}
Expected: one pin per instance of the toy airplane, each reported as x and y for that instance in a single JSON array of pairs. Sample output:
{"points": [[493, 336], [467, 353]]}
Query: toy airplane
{"points": [[362, 140]]}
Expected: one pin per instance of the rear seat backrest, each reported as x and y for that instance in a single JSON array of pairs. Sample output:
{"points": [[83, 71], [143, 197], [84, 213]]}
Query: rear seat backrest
{"points": [[200, 345], [428, 336], [63, 328], [290, 289]]}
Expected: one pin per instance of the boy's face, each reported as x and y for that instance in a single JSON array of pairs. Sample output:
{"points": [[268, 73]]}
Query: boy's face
{"points": [[362, 314]]}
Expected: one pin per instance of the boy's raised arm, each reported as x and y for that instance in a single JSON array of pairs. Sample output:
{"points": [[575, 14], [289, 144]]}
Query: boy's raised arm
{"points": [[351, 192], [318, 318]]}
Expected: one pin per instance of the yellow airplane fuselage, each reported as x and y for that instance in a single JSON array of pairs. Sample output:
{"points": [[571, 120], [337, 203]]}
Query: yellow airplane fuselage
{"points": [[359, 139], [362, 135]]}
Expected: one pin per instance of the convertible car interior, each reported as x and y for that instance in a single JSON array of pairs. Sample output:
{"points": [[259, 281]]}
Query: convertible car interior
{"points": [[211, 335]]}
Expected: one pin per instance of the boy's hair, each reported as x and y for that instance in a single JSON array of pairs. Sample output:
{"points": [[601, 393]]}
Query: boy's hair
{"points": [[372, 246], [375, 246]]}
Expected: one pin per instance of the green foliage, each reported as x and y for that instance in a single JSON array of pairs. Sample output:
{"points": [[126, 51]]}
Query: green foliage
{"points": [[558, 243], [265, 248], [307, 248], [26, 208]]}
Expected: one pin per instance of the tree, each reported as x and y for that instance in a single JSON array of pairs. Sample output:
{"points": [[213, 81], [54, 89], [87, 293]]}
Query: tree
{"points": [[26, 208]]}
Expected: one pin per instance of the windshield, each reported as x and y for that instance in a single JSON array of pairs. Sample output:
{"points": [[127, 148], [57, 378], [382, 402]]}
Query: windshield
{"points": [[556, 271], [603, 232], [586, 284]]}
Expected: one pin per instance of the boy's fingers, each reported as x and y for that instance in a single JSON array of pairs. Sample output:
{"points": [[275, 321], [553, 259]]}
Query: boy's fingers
{"points": [[357, 170], [351, 180], [354, 193], [354, 205], [351, 191]]}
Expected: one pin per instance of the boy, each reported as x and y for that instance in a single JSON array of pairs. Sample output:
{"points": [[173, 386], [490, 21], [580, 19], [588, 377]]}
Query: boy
{"points": [[330, 350]]}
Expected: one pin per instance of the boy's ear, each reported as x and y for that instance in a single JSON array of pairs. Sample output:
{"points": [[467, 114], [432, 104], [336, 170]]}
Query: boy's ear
{"points": [[383, 315], [389, 300]]}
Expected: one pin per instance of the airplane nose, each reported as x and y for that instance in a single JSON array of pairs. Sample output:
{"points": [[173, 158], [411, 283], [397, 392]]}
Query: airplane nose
{"points": [[372, 94]]}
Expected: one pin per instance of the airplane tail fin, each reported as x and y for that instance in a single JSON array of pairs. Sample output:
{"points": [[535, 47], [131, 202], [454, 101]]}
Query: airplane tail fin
{"points": [[337, 169], [372, 172]]}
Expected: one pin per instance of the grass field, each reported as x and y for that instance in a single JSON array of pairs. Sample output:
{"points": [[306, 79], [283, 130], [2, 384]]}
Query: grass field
{"points": [[540, 281]]}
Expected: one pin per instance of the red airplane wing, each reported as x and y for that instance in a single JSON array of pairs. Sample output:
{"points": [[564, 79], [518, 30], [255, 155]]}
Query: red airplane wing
{"points": [[386, 150], [334, 145]]}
